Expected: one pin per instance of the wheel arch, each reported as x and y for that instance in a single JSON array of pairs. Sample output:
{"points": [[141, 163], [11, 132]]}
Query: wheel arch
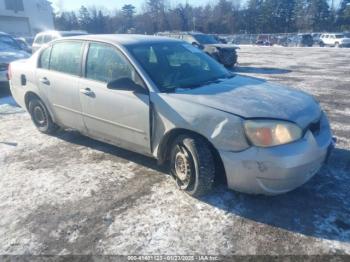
{"points": [[164, 150], [31, 95]]}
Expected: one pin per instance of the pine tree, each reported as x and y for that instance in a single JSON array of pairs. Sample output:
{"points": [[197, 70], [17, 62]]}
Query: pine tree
{"points": [[343, 20]]}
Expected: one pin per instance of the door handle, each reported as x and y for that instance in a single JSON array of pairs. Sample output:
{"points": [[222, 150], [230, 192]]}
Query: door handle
{"points": [[45, 81], [87, 92]]}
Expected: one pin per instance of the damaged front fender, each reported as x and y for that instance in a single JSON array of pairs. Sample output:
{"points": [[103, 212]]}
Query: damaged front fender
{"points": [[223, 130]]}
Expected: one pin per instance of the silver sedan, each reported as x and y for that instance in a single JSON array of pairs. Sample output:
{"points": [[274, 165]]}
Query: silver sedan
{"points": [[167, 99]]}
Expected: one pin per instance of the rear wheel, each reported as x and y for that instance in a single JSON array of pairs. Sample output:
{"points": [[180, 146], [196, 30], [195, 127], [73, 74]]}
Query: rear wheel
{"points": [[192, 165], [41, 117]]}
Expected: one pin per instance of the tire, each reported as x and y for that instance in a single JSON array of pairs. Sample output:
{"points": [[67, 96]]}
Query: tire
{"points": [[337, 45], [41, 117], [321, 44], [192, 165]]}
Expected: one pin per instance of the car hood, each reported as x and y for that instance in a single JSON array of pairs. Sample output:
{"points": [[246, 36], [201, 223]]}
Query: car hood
{"points": [[8, 56], [223, 46], [254, 98]]}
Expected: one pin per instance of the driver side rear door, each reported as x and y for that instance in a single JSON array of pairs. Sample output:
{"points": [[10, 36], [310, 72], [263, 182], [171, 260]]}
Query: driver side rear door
{"points": [[120, 117]]}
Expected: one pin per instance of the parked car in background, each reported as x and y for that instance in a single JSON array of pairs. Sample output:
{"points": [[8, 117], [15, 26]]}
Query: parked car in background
{"points": [[264, 40], [47, 36], [221, 40], [224, 53], [316, 37], [166, 99], [23, 44], [301, 40], [10, 51], [335, 40]]}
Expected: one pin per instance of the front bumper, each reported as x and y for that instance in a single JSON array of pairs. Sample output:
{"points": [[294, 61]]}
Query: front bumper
{"points": [[279, 169]]}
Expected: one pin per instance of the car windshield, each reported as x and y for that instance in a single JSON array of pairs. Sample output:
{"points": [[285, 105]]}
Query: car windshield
{"points": [[178, 65], [339, 36], [206, 39], [7, 42]]}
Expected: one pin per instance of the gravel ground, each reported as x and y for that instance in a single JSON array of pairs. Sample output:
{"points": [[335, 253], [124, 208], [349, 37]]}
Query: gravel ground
{"points": [[71, 195]]}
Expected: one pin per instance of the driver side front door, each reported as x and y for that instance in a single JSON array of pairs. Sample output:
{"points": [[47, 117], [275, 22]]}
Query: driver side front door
{"points": [[117, 116]]}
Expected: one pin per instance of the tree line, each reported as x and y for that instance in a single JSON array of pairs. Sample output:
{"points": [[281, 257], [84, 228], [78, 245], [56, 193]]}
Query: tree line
{"points": [[224, 17]]}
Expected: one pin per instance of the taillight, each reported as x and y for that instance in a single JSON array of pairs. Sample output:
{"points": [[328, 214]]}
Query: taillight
{"points": [[9, 73]]}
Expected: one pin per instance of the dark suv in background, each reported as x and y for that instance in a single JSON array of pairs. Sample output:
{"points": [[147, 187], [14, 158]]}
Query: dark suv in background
{"points": [[224, 53], [302, 40]]}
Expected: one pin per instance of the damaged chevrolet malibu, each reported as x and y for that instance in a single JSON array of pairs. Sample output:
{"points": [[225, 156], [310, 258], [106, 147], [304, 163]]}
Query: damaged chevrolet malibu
{"points": [[168, 100]]}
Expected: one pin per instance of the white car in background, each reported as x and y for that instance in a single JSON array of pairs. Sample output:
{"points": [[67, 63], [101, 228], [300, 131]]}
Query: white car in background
{"points": [[47, 36], [10, 51], [335, 40]]}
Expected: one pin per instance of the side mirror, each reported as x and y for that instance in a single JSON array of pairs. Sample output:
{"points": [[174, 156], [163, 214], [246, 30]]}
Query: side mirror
{"points": [[126, 84]]}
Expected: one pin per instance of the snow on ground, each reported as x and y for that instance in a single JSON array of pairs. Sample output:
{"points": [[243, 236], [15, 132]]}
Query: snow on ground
{"points": [[72, 195]]}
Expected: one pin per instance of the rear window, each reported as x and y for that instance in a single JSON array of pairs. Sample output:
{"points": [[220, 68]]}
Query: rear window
{"points": [[66, 57], [67, 34]]}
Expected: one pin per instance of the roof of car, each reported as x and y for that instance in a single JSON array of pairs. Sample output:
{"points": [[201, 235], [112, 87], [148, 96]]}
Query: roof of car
{"points": [[125, 39]]}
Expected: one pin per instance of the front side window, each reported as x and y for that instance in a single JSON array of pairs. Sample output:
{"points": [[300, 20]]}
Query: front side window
{"points": [[177, 65], [66, 57], [44, 61], [105, 63]]}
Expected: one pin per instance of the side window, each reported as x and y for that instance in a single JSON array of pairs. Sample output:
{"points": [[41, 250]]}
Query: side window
{"points": [[105, 64], [66, 57], [44, 61], [38, 39], [47, 38]]}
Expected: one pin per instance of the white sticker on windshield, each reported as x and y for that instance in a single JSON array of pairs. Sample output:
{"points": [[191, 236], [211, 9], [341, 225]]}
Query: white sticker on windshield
{"points": [[192, 48]]}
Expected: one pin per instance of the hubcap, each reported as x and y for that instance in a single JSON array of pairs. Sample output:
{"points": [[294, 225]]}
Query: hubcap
{"points": [[183, 167], [39, 116]]}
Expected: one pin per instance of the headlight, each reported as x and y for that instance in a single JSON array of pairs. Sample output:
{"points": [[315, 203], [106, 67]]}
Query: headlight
{"points": [[267, 133]]}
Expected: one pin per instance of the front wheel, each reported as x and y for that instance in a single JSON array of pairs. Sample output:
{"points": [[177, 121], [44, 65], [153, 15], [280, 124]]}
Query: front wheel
{"points": [[41, 117], [192, 165]]}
